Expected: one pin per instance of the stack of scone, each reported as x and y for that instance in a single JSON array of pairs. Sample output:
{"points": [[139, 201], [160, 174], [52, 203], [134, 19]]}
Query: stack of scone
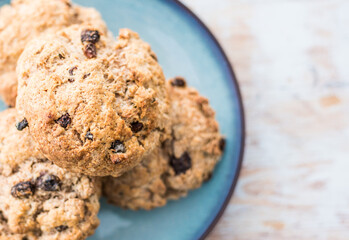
{"points": [[90, 115]]}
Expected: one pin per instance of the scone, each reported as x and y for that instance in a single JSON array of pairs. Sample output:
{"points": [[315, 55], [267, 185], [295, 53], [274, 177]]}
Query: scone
{"points": [[38, 200], [24, 20], [94, 105], [182, 163], [196, 144]]}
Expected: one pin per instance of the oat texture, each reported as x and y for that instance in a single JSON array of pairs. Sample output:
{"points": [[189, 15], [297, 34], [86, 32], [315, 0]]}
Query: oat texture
{"points": [[94, 105], [181, 163], [39, 200], [25, 20]]}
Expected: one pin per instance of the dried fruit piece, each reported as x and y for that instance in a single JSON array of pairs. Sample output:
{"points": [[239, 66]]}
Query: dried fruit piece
{"points": [[61, 56], [208, 177], [90, 50], [71, 80], [22, 124], [118, 147], [222, 144], [2, 217], [61, 228], [136, 126], [181, 164], [23, 190], [154, 56], [64, 120], [178, 82], [86, 75], [71, 71], [49, 182], [89, 135], [91, 36]]}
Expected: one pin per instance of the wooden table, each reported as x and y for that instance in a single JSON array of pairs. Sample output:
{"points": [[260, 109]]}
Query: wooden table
{"points": [[291, 58]]}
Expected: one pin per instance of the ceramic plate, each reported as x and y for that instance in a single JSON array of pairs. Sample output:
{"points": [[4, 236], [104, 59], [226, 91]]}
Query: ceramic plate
{"points": [[184, 47]]}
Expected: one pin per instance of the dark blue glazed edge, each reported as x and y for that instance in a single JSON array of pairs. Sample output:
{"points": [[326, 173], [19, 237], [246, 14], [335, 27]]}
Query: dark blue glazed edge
{"points": [[234, 84]]}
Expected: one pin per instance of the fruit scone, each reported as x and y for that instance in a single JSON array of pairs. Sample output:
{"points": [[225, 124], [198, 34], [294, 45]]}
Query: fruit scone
{"points": [[39, 200], [24, 20], [93, 104], [182, 163]]}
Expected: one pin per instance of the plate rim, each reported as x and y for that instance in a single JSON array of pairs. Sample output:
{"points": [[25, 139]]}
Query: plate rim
{"points": [[235, 83]]}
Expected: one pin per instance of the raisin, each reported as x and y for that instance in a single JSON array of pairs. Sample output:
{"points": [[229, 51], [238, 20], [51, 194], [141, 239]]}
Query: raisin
{"points": [[64, 120], [222, 144], [91, 36], [89, 135], [136, 126], [61, 56], [118, 147], [208, 177], [71, 80], [90, 50], [86, 75], [22, 124], [71, 71], [48, 182], [178, 82], [154, 56], [2, 217], [25, 238], [23, 190], [61, 228], [181, 164]]}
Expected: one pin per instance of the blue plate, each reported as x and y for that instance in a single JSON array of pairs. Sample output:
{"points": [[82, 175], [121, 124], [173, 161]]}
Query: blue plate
{"points": [[185, 47]]}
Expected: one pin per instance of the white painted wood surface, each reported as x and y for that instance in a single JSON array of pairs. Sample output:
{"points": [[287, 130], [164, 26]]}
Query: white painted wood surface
{"points": [[291, 58]]}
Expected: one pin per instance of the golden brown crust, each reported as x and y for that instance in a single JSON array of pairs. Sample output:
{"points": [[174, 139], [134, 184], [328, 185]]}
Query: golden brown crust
{"points": [[184, 161], [96, 114], [195, 132], [142, 187], [39, 200], [24, 20]]}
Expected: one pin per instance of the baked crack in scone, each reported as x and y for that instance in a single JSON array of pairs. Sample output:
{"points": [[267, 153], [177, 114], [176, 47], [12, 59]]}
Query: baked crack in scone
{"points": [[24, 20], [94, 105], [39, 200], [182, 163]]}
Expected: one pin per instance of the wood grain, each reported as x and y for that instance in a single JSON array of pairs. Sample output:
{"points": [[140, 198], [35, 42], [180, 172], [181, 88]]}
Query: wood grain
{"points": [[291, 58]]}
